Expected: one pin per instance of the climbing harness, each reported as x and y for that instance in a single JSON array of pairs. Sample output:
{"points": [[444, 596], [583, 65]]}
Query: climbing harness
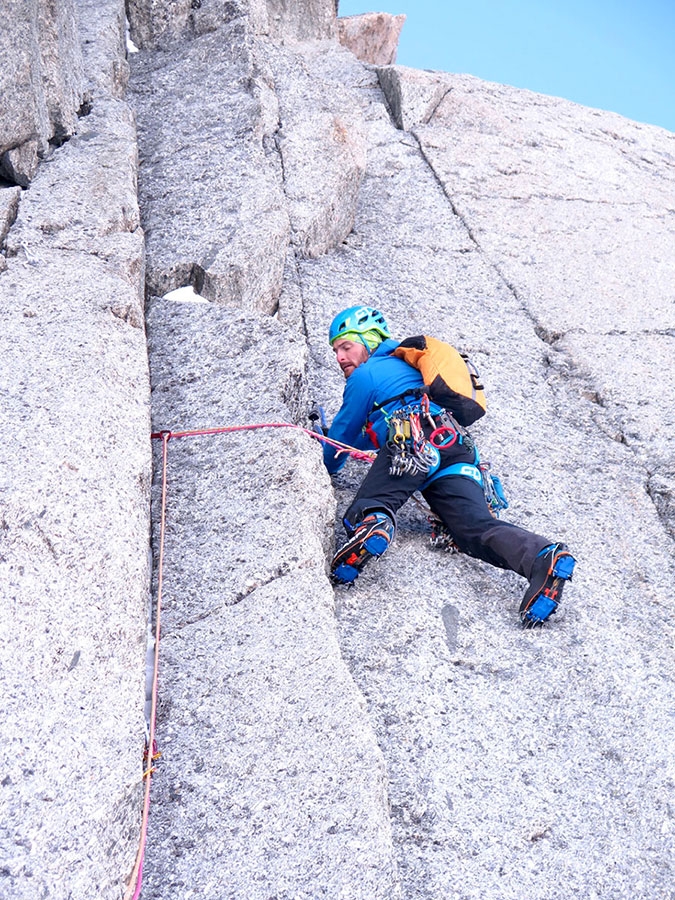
{"points": [[440, 537], [411, 453], [150, 753], [479, 472]]}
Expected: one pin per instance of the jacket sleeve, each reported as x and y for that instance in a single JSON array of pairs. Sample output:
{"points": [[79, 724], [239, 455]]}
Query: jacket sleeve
{"points": [[357, 401]]}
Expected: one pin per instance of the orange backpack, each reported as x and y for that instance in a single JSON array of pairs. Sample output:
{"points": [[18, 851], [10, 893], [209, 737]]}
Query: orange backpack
{"points": [[451, 379]]}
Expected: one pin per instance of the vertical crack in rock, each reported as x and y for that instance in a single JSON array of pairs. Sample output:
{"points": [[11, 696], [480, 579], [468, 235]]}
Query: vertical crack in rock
{"points": [[10, 197], [262, 684], [320, 142], [411, 97], [539, 330], [271, 781], [41, 84], [320, 138], [256, 691], [432, 111], [553, 338], [483, 793], [212, 206]]}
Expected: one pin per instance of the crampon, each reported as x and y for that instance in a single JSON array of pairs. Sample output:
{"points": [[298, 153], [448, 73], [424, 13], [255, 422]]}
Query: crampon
{"points": [[369, 540], [552, 568]]}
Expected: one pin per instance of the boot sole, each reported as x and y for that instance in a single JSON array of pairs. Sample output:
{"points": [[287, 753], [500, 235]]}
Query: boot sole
{"points": [[348, 571]]}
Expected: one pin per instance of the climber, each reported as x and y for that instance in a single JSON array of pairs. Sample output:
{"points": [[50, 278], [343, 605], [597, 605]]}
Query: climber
{"points": [[451, 483]]}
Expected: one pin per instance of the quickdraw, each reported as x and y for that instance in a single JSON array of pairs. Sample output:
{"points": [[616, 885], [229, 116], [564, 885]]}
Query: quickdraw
{"points": [[493, 490], [410, 453]]}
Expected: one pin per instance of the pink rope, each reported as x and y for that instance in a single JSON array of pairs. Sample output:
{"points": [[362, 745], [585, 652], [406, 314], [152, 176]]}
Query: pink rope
{"points": [[136, 879], [368, 455]]}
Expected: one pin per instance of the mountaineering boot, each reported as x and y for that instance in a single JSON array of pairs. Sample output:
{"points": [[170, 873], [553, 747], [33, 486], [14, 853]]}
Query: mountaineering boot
{"points": [[553, 566], [369, 540]]}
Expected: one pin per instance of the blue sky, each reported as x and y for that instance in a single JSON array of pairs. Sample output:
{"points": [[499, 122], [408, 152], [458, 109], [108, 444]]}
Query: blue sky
{"points": [[611, 54]]}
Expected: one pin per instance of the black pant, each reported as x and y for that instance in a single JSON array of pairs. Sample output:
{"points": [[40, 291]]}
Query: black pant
{"points": [[460, 504]]}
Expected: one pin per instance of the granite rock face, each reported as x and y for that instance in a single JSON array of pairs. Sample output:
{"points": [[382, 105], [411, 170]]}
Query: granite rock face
{"points": [[293, 21], [155, 24], [603, 187], [158, 23], [272, 782], [405, 739], [102, 25], [282, 145], [41, 83], [232, 250], [74, 507], [152, 21], [321, 141], [508, 751], [412, 95], [9, 205], [371, 37]]}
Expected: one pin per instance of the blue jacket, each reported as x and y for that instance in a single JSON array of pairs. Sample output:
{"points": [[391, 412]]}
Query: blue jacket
{"points": [[380, 378]]}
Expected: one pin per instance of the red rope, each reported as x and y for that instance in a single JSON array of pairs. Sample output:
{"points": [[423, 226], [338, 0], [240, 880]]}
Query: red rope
{"points": [[136, 879], [368, 455]]}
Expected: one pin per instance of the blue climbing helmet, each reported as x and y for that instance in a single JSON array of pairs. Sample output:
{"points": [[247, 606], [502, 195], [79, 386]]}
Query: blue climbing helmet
{"points": [[358, 320]]}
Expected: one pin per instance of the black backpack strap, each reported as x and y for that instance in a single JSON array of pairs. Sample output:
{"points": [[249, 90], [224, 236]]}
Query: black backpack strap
{"points": [[413, 392]]}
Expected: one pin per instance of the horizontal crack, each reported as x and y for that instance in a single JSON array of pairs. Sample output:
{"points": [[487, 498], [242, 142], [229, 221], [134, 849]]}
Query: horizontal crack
{"points": [[281, 572], [561, 198]]}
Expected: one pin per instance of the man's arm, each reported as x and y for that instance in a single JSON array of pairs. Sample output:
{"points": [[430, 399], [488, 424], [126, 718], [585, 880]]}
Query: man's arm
{"points": [[357, 402]]}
